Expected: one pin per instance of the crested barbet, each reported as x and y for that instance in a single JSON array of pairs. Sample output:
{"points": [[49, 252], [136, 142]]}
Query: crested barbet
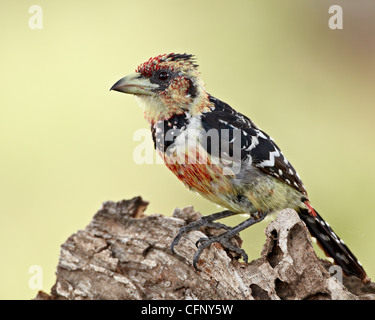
{"points": [[223, 156]]}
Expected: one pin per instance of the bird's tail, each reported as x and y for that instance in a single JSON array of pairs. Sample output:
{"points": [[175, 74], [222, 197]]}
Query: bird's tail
{"points": [[331, 244]]}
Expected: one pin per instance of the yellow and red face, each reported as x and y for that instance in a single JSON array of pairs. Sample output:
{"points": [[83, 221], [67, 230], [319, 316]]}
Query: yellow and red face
{"points": [[166, 85]]}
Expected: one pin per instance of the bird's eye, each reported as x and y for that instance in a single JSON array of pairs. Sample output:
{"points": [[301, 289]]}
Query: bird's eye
{"points": [[163, 75]]}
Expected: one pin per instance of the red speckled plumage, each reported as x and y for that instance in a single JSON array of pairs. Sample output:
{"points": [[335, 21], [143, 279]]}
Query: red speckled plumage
{"points": [[171, 61], [153, 64]]}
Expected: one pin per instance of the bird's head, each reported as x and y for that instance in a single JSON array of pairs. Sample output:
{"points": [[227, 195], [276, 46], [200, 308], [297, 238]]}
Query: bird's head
{"points": [[165, 86]]}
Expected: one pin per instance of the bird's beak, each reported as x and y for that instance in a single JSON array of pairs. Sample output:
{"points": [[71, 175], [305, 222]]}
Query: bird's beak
{"points": [[136, 84]]}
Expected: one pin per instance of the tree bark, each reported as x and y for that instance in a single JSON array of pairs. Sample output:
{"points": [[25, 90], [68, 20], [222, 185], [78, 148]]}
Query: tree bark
{"points": [[124, 254]]}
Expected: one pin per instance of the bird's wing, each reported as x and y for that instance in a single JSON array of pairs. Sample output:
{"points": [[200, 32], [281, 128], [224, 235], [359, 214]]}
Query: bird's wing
{"points": [[255, 144]]}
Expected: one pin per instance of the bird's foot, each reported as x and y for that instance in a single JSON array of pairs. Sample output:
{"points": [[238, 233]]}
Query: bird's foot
{"points": [[224, 240], [207, 221]]}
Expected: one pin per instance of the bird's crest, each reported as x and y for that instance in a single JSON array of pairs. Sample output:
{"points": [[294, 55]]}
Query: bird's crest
{"points": [[173, 61]]}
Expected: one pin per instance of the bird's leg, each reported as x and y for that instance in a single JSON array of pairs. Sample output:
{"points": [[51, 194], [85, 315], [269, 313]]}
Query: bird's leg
{"points": [[206, 221], [224, 239]]}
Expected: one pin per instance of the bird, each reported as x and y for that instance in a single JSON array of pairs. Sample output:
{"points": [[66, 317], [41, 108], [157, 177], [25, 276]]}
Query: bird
{"points": [[222, 155]]}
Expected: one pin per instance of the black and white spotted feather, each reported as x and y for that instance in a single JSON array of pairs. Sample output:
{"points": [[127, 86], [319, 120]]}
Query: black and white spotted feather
{"points": [[164, 133], [255, 144]]}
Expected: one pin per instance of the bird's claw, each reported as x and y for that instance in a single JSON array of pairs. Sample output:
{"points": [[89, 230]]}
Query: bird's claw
{"points": [[195, 225], [223, 239]]}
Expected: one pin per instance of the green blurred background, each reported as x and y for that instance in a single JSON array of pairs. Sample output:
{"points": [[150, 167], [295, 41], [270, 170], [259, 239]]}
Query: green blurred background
{"points": [[66, 142]]}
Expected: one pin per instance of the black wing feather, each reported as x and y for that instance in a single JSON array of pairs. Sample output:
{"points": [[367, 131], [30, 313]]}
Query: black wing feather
{"points": [[265, 154]]}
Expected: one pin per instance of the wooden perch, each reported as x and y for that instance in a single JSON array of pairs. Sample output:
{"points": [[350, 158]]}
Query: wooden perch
{"points": [[124, 254]]}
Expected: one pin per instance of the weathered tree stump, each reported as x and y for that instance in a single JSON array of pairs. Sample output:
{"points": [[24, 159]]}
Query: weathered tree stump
{"points": [[124, 254]]}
